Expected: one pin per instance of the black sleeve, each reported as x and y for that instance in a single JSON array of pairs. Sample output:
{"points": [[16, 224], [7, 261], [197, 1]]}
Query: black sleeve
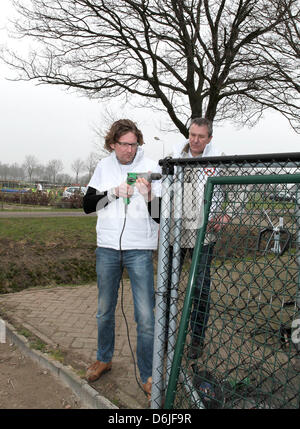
{"points": [[91, 199], [154, 209]]}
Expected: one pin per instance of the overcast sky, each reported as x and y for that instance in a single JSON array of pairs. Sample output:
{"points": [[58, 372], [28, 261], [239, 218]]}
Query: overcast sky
{"points": [[52, 123]]}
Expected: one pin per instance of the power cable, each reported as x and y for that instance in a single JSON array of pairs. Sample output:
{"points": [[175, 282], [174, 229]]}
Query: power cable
{"points": [[122, 302]]}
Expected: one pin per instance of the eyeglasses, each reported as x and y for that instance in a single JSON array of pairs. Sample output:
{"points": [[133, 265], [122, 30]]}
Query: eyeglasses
{"points": [[123, 144]]}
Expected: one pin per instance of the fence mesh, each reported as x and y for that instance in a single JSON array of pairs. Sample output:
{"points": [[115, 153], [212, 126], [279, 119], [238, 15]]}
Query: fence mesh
{"points": [[227, 327]]}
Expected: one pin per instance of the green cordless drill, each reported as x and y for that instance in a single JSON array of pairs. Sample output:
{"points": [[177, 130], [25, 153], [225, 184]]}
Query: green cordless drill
{"points": [[132, 178]]}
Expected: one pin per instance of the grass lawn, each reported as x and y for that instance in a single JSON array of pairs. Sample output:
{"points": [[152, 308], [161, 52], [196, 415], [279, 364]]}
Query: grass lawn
{"points": [[78, 230]]}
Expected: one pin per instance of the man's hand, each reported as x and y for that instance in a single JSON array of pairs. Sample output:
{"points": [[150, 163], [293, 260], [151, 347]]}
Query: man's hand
{"points": [[123, 191], [216, 224], [144, 188]]}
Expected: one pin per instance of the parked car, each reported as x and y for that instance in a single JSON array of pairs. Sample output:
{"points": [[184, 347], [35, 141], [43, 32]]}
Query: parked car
{"points": [[69, 192], [282, 196]]}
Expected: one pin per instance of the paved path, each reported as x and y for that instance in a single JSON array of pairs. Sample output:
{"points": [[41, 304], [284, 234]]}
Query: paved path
{"points": [[64, 317]]}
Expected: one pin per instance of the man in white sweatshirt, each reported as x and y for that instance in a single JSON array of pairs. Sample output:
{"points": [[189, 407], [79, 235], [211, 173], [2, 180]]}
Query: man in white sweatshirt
{"points": [[126, 238], [199, 145]]}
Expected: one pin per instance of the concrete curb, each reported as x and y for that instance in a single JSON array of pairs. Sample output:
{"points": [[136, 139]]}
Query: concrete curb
{"points": [[89, 397]]}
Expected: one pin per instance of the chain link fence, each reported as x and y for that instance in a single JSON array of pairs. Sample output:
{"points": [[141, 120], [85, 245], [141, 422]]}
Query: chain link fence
{"points": [[228, 299]]}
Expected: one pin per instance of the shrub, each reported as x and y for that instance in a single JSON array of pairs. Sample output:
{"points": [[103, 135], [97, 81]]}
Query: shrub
{"points": [[30, 198], [75, 201]]}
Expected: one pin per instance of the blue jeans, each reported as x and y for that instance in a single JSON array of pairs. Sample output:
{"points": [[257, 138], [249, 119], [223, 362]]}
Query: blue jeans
{"points": [[201, 297], [109, 267]]}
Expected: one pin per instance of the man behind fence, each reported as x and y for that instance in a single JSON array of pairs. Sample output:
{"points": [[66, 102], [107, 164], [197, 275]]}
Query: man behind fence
{"points": [[198, 145]]}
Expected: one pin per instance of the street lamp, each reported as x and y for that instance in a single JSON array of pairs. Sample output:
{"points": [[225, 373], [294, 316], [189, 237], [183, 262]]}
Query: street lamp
{"points": [[163, 145]]}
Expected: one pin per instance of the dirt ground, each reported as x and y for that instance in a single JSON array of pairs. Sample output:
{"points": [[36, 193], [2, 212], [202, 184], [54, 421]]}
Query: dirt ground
{"points": [[25, 264], [26, 385]]}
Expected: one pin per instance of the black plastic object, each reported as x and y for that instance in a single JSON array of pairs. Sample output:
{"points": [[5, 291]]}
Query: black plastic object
{"points": [[208, 388], [270, 232]]}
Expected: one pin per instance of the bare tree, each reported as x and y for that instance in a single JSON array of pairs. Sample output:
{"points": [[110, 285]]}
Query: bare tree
{"points": [[54, 167], [64, 178], [30, 165], [107, 117], [91, 163], [185, 57], [4, 171], [16, 172], [281, 52], [77, 166]]}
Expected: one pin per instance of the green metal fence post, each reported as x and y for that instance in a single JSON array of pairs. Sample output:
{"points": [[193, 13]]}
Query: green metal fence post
{"points": [[188, 301]]}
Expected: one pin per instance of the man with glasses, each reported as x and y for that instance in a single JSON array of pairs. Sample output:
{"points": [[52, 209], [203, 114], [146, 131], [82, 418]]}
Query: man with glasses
{"points": [[126, 238]]}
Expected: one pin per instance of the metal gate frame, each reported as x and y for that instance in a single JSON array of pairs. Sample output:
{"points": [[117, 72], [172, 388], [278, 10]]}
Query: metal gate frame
{"points": [[176, 371]]}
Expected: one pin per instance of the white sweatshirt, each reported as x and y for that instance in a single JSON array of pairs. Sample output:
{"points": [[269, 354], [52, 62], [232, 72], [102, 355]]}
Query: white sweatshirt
{"points": [[141, 231]]}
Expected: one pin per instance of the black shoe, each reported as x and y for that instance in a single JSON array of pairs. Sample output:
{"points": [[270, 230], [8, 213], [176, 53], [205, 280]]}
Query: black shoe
{"points": [[195, 349]]}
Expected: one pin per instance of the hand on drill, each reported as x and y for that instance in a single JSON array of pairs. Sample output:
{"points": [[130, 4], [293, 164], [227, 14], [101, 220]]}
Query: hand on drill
{"points": [[143, 186], [124, 190]]}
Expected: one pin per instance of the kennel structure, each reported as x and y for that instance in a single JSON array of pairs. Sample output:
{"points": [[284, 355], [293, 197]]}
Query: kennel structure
{"points": [[246, 211]]}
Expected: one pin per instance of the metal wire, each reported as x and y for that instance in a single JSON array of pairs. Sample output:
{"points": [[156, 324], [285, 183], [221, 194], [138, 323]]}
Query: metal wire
{"points": [[248, 356]]}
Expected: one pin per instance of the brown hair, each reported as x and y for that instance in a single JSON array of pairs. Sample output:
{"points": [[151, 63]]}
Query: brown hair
{"points": [[118, 129]]}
